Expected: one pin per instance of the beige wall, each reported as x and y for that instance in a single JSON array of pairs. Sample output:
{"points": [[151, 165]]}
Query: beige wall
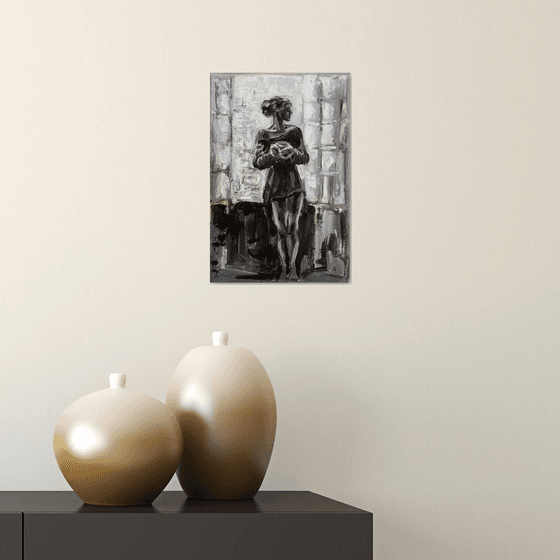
{"points": [[427, 389]]}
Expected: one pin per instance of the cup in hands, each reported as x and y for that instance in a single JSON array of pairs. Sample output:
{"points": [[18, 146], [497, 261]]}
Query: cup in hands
{"points": [[281, 149]]}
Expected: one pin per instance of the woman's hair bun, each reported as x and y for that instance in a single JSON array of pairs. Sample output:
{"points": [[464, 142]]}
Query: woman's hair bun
{"points": [[270, 106]]}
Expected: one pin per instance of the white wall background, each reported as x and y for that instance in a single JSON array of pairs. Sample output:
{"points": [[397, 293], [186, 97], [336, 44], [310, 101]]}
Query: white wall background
{"points": [[425, 391]]}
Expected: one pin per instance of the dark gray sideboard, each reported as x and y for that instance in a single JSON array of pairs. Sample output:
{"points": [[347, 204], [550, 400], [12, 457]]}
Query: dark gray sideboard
{"points": [[273, 526]]}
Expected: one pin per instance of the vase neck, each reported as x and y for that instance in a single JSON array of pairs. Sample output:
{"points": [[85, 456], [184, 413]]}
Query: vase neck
{"points": [[220, 338], [117, 380]]}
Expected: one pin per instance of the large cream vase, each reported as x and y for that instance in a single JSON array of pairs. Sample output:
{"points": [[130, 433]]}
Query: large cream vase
{"points": [[225, 405]]}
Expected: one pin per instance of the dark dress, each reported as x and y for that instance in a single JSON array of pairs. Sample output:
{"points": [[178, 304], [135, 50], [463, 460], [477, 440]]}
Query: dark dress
{"points": [[283, 177]]}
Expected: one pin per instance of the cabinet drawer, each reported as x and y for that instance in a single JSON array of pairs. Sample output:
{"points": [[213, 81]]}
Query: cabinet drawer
{"points": [[11, 532], [203, 536]]}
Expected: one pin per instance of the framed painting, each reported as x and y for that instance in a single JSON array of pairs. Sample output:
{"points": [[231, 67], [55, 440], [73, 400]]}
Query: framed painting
{"points": [[279, 168]]}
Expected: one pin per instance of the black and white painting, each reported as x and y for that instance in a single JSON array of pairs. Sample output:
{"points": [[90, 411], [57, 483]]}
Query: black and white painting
{"points": [[279, 194]]}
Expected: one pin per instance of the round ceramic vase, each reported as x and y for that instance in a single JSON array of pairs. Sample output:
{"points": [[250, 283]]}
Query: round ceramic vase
{"points": [[225, 405], [117, 447]]}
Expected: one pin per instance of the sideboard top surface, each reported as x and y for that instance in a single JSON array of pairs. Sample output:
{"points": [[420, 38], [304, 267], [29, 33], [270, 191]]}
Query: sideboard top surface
{"points": [[176, 502]]}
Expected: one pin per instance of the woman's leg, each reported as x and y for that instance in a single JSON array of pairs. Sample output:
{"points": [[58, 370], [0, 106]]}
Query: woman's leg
{"points": [[278, 216], [293, 214]]}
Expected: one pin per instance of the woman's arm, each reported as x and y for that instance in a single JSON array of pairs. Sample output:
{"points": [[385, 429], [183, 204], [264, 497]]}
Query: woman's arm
{"points": [[299, 155], [262, 158]]}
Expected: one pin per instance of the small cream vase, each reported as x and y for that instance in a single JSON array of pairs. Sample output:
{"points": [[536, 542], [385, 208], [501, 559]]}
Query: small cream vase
{"points": [[117, 447]]}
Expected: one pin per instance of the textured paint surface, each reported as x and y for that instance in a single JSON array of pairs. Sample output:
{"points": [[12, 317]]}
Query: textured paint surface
{"points": [[243, 237]]}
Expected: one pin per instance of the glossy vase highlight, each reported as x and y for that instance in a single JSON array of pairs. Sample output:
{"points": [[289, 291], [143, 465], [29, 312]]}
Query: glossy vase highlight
{"points": [[117, 447], [225, 405]]}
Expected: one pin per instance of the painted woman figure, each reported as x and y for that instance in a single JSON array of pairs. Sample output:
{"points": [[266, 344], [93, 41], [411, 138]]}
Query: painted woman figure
{"points": [[279, 149]]}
